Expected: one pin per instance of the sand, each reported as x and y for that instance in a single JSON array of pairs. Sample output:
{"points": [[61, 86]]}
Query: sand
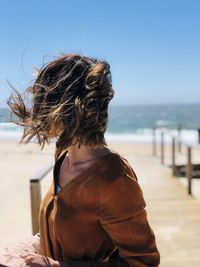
{"points": [[173, 215], [18, 164]]}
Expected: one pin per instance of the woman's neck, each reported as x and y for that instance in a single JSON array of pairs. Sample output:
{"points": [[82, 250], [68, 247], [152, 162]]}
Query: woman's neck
{"points": [[83, 154]]}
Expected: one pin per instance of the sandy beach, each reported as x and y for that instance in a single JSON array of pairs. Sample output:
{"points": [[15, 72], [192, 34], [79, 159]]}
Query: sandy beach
{"points": [[18, 163], [172, 213]]}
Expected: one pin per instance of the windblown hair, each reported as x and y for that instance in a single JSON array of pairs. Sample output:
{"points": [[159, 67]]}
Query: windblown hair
{"points": [[71, 93]]}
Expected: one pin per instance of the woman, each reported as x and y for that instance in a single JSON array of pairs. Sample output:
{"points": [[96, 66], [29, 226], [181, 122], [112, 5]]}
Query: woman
{"points": [[94, 211]]}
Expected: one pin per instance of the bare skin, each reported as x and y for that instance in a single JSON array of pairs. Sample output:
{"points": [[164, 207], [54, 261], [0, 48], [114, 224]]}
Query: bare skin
{"points": [[78, 160]]}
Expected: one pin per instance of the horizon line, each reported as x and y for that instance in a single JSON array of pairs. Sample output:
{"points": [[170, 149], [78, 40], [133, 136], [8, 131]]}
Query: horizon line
{"points": [[142, 104]]}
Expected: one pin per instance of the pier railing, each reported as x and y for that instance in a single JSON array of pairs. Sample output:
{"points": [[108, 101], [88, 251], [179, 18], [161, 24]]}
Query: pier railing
{"points": [[189, 170], [176, 144], [35, 193]]}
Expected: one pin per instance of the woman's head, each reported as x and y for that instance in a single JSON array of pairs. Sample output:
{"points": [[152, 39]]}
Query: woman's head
{"points": [[69, 99]]}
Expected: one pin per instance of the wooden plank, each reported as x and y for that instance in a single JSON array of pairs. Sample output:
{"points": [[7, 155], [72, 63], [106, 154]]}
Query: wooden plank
{"points": [[162, 147], [189, 169], [179, 128], [173, 156], [43, 171], [198, 130], [154, 141], [35, 192]]}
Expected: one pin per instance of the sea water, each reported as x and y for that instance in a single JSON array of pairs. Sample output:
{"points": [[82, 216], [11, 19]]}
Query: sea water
{"points": [[130, 123]]}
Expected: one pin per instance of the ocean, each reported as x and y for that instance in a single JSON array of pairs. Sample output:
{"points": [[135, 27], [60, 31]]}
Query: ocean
{"points": [[130, 123]]}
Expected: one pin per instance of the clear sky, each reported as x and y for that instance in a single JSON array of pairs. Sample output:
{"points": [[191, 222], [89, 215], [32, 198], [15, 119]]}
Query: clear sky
{"points": [[153, 46]]}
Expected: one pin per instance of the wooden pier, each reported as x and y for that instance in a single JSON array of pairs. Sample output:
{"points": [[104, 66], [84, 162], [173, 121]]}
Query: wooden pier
{"points": [[174, 215]]}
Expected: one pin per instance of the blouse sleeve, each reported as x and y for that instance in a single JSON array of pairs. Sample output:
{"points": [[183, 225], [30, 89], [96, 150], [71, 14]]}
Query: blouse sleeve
{"points": [[123, 216]]}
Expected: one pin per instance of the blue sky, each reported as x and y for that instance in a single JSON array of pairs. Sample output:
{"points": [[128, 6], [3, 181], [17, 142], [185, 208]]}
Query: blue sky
{"points": [[153, 46]]}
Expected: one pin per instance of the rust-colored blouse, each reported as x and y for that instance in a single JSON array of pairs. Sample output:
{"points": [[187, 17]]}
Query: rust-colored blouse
{"points": [[98, 218]]}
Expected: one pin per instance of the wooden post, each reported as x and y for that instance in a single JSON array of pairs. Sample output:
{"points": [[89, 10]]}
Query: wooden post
{"points": [[162, 147], [198, 135], [189, 169], [173, 156], [154, 141], [179, 128], [35, 204]]}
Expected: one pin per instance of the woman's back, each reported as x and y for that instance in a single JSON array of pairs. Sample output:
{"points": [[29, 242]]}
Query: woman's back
{"points": [[87, 216]]}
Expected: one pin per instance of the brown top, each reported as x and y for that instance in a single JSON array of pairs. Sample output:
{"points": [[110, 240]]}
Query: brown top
{"points": [[98, 218]]}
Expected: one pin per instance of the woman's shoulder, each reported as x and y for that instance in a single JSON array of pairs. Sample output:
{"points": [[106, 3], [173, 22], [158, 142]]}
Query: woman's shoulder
{"points": [[121, 190], [116, 165]]}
